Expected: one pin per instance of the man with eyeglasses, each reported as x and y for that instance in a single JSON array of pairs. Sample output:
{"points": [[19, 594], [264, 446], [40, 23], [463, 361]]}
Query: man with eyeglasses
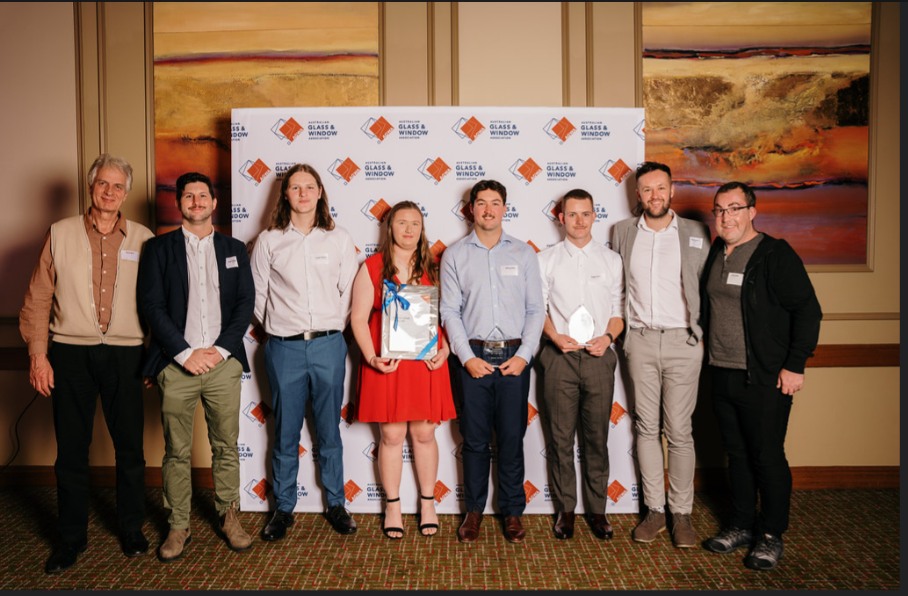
{"points": [[663, 258], [758, 348], [84, 338]]}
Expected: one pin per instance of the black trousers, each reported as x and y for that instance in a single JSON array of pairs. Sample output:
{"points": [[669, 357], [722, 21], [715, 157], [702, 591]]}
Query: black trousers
{"points": [[81, 373], [753, 421]]}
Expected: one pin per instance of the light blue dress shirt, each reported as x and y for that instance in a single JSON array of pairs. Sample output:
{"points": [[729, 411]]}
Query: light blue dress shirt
{"points": [[483, 288]]}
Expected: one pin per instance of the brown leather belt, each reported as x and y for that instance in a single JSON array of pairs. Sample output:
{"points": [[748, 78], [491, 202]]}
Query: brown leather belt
{"points": [[496, 344]]}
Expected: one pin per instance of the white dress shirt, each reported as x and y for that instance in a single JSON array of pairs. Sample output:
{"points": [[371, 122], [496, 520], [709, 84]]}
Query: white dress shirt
{"points": [[654, 293], [303, 282], [591, 277], [203, 305]]}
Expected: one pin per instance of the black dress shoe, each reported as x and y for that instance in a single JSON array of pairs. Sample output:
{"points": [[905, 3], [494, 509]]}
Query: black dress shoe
{"points": [[340, 520], [600, 526], [277, 527], [64, 557], [133, 543], [564, 525]]}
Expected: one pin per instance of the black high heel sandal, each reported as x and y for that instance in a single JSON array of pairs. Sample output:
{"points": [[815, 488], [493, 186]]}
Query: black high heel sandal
{"points": [[387, 531], [424, 527]]}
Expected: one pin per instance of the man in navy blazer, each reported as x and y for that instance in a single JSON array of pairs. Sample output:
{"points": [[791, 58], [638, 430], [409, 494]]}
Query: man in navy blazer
{"points": [[197, 295]]}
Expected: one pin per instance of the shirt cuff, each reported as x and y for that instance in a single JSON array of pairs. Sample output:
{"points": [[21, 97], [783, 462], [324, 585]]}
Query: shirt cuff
{"points": [[183, 356], [225, 354]]}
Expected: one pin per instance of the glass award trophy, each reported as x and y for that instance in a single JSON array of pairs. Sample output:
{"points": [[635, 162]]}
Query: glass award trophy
{"points": [[581, 326], [494, 350]]}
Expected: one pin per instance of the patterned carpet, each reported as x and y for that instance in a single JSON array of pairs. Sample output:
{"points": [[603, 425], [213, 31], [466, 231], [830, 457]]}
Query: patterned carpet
{"points": [[839, 540]]}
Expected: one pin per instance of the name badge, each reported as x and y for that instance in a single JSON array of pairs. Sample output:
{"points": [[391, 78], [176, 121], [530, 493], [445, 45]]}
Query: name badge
{"points": [[696, 243], [321, 259], [130, 255], [509, 270], [735, 279], [231, 263]]}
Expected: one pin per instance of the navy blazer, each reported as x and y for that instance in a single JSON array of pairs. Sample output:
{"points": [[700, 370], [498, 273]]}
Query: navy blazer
{"points": [[164, 294]]}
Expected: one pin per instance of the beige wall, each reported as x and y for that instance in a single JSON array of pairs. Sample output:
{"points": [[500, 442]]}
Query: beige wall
{"points": [[82, 79]]}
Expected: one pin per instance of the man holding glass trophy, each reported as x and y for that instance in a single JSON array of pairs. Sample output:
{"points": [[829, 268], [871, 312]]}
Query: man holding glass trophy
{"points": [[492, 310], [583, 288]]}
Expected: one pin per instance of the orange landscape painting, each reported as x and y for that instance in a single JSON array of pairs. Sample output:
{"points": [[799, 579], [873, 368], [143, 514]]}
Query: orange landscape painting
{"points": [[211, 57], [772, 94]]}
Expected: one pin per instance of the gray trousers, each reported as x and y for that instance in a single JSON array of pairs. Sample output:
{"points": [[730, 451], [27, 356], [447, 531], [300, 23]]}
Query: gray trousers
{"points": [[664, 366], [577, 399]]}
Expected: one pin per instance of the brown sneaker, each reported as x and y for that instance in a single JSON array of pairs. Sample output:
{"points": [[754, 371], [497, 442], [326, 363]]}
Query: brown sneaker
{"points": [[683, 534], [650, 527], [172, 548], [236, 536]]}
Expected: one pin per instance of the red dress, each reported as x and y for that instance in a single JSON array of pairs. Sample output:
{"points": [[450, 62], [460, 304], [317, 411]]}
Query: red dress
{"points": [[412, 392]]}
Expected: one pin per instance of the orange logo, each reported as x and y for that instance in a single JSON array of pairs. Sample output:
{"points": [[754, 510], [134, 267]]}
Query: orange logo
{"points": [[618, 413], [533, 245], [347, 413], [615, 491], [441, 491], [380, 209], [347, 169], [532, 414], [563, 129], [472, 128], [290, 129], [380, 128], [258, 333], [529, 169], [438, 169], [260, 412], [261, 489], [619, 171], [351, 491], [437, 248], [302, 450], [530, 489], [258, 170]]}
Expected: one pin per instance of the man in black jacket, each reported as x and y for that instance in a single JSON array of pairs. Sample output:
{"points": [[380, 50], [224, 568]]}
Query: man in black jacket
{"points": [[763, 322]]}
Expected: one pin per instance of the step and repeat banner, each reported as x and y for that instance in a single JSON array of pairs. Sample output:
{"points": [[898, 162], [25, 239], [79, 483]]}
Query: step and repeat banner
{"points": [[371, 158]]}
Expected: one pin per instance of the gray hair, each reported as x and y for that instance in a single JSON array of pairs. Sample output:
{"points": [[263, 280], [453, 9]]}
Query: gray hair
{"points": [[106, 160]]}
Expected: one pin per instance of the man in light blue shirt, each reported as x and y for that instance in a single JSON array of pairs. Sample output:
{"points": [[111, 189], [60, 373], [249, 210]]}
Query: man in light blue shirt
{"points": [[493, 312]]}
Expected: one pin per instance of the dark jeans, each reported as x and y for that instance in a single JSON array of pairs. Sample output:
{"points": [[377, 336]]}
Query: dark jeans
{"points": [[81, 373], [753, 421], [494, 403]]}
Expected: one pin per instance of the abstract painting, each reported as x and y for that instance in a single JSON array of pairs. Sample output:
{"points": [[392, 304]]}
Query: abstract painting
{"points": [[211, 57], [774, 94]]}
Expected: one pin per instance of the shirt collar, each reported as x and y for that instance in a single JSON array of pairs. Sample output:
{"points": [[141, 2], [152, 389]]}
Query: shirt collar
{"points": [[193, 239], [120, 225], [673, 224]]}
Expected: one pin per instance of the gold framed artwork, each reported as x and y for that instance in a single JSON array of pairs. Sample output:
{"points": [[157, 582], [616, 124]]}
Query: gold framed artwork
{"points": [[774, 94], [211, 57]]}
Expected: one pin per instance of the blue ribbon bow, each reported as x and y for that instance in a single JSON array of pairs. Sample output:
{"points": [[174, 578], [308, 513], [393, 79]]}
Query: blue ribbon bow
{"points": [[393, 296]]}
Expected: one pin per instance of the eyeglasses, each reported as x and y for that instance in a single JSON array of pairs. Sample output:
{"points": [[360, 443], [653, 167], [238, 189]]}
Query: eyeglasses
{"points": [[733, 210]]}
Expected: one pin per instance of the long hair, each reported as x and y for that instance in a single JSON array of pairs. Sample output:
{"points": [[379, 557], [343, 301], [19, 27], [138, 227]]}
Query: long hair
{"points": [[280, 216], [422, 260]]}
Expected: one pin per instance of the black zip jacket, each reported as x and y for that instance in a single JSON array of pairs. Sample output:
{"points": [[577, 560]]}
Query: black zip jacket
{"points": [[781, 311]]}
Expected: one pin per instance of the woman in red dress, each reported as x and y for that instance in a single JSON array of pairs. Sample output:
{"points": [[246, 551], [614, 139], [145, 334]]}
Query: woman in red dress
{"points": [[401, 395]]}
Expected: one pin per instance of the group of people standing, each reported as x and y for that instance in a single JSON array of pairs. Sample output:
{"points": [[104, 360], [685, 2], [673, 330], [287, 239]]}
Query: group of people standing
{"points": [[102, 282]]}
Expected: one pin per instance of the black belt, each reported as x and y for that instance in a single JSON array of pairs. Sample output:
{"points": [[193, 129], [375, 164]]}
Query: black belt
{"points": [[307, 335], [496, 344]]}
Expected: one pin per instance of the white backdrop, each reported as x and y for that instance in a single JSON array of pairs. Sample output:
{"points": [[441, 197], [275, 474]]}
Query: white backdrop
{"points": [[370, 158]]}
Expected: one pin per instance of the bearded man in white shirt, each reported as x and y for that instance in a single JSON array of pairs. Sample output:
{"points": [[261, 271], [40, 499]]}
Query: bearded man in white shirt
{"points": [[303, 266]]}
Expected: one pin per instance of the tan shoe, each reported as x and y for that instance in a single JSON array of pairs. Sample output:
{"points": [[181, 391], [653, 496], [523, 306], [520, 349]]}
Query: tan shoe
{"points": [[683, 534], [651, 526], [172, 548], [236, 536]]}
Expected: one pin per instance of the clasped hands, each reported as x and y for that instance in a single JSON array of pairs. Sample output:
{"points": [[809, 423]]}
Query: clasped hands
{"points": [[202, 360], [596, 346]]}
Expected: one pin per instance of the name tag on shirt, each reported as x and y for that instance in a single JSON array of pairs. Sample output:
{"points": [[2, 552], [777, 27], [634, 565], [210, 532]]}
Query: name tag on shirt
{"points": [[321, 259], [231, 263], [696, 243], [509, 270], [130, 255], [735, 279]]}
